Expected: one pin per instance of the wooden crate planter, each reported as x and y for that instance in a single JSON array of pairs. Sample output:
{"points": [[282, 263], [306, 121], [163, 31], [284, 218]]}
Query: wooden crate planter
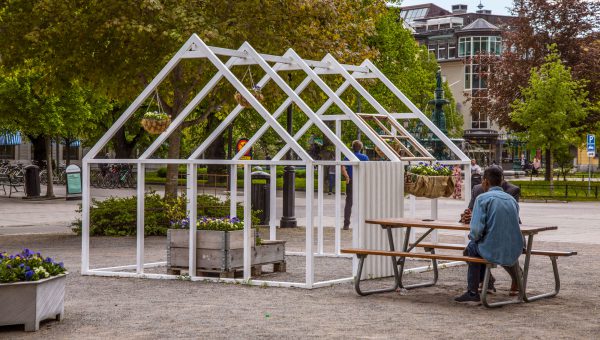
{"points": [[29, 302], [221, 252]]}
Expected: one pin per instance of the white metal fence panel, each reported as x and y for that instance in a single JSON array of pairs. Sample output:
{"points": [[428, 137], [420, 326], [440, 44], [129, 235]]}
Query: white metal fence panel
{"points": [[380, 196]]}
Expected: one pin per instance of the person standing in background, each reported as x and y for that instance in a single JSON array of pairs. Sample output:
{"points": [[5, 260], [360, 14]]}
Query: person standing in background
{"points": [[457, 174], [357, 147]]}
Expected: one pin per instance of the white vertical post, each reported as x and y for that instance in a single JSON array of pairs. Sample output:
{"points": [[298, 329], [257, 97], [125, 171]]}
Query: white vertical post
{"points": [[319, 209], [310, 270], [338, 192], [192, 213], [434, 216], [358, 212], [247, 222], [85, 217], [413, 214], [467, 193], [140, 219], [467, 181], [233, 192], [273, 204]]}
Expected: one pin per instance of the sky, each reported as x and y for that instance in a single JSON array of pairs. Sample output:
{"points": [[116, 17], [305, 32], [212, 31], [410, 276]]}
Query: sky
{"points": [[496, 6]]}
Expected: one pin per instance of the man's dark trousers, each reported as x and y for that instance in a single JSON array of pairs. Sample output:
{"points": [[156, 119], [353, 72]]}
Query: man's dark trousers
{"points": [[476, 271], [348, 207]]}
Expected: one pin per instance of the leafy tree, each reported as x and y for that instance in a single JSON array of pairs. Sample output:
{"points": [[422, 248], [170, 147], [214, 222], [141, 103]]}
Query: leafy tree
{"points": [[118, 46], [551, 108], [28, 106], [572, 25], [411, 68]]}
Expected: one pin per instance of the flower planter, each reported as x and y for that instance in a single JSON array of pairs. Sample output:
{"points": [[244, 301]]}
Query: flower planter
{"points": [[243, 102], [221, 252], [428, 186], [155, 126], [29, 302]]}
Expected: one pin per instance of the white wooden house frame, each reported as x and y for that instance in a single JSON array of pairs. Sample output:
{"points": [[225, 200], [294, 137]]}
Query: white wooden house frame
{"points": [[246, 55]]}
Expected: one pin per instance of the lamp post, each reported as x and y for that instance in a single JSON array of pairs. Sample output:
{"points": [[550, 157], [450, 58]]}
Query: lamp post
{"points": [[288, 218], [438, 117]]}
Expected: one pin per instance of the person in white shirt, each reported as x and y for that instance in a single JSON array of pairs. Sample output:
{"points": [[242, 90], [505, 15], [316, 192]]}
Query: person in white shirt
{"points": [[475, 168]]}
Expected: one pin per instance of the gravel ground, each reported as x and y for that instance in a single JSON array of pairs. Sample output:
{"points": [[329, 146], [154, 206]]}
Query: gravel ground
{"points": [[99, 308]]}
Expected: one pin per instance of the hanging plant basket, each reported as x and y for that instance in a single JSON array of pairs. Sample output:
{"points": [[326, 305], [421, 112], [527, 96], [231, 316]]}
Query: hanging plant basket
{"points": [[431, 181], [155, 123], [243, 102]]}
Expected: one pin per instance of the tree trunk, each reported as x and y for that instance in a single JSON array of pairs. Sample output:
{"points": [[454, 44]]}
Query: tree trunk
{"points": [[548, 174], [50, 186], [216, 150], [549, 166], [67, 156], [173, 169], [123, 148]]}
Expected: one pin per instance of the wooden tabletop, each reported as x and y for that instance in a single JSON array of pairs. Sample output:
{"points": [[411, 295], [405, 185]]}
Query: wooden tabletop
{"points": [[446, 225]]}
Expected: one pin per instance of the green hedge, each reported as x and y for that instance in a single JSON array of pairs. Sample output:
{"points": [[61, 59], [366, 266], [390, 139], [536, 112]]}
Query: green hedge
{"points": [[116, 216]]}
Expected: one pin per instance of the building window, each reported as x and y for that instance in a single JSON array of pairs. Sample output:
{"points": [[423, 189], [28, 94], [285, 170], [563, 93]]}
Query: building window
{"points": [[7, 152], [413, 14], [475, 77], [479, 120], [73, 153], [470, 46], [452, 50]]}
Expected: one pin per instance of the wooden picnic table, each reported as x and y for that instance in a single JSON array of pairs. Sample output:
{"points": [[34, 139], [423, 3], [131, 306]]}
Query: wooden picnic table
{"points": [[398, 261]]}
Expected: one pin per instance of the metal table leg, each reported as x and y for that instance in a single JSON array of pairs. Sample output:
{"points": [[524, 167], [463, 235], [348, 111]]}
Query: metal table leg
{"points": [[401, 262], [361, 261], [486, 280]]}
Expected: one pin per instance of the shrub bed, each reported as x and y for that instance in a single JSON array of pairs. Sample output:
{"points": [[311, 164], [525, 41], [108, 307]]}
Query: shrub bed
{"points": [[116, 216]]}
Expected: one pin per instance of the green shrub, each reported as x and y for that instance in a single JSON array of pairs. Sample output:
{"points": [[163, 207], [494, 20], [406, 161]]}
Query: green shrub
{"points": [[161, 172], [116, 216]]}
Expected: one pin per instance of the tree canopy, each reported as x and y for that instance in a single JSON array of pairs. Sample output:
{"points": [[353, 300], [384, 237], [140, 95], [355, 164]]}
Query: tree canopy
{"points": [[572, 26], [552, 107]]}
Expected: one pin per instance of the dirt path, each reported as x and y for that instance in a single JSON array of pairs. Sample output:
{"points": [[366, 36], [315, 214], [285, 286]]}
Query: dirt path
{"points": [[102, 308]]}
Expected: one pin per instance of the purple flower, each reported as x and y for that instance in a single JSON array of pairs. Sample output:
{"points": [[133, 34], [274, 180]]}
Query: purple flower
{"points": [[8, 266], [60, 264], [21, 265], [27, 252], [28, 275], [48, 259]]}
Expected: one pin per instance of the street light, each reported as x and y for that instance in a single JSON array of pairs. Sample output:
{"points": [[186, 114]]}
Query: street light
{"points": [[288, 218]]}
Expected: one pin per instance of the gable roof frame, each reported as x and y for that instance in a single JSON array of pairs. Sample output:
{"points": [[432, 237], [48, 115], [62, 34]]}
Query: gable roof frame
{"points": [[139, 100], [415, 110]]}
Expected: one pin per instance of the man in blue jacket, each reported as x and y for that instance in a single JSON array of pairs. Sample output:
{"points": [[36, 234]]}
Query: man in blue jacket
{"points": [[495, 233]]}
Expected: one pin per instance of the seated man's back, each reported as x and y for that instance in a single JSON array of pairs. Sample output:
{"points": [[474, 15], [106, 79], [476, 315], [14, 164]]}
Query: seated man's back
{"points": [[495, 227]]}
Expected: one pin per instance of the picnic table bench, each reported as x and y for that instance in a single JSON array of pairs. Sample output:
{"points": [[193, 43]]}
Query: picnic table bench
{"points": [[11, 182], [398, 257]]}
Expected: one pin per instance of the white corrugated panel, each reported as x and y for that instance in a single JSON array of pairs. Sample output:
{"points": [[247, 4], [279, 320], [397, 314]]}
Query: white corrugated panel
{"points": [[381, 195]]}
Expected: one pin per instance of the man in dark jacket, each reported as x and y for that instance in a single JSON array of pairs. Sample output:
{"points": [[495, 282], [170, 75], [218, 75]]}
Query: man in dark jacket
{"points": [[465, 217]]}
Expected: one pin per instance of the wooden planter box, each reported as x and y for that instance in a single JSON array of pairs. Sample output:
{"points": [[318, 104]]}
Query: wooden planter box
{"points": [[221, 252], [30, 302]]}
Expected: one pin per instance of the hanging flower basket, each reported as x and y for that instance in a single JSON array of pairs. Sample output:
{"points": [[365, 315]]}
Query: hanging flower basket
{"points": [[431, 181], [155, 123], [256, 92]]}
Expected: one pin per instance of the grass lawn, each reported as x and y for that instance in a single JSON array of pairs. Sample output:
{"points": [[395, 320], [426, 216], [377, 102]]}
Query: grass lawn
{"points": [[568, 191]]}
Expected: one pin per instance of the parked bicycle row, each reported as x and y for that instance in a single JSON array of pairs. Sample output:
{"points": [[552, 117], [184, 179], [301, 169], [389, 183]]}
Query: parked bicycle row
{"points": [[113, 176]]}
